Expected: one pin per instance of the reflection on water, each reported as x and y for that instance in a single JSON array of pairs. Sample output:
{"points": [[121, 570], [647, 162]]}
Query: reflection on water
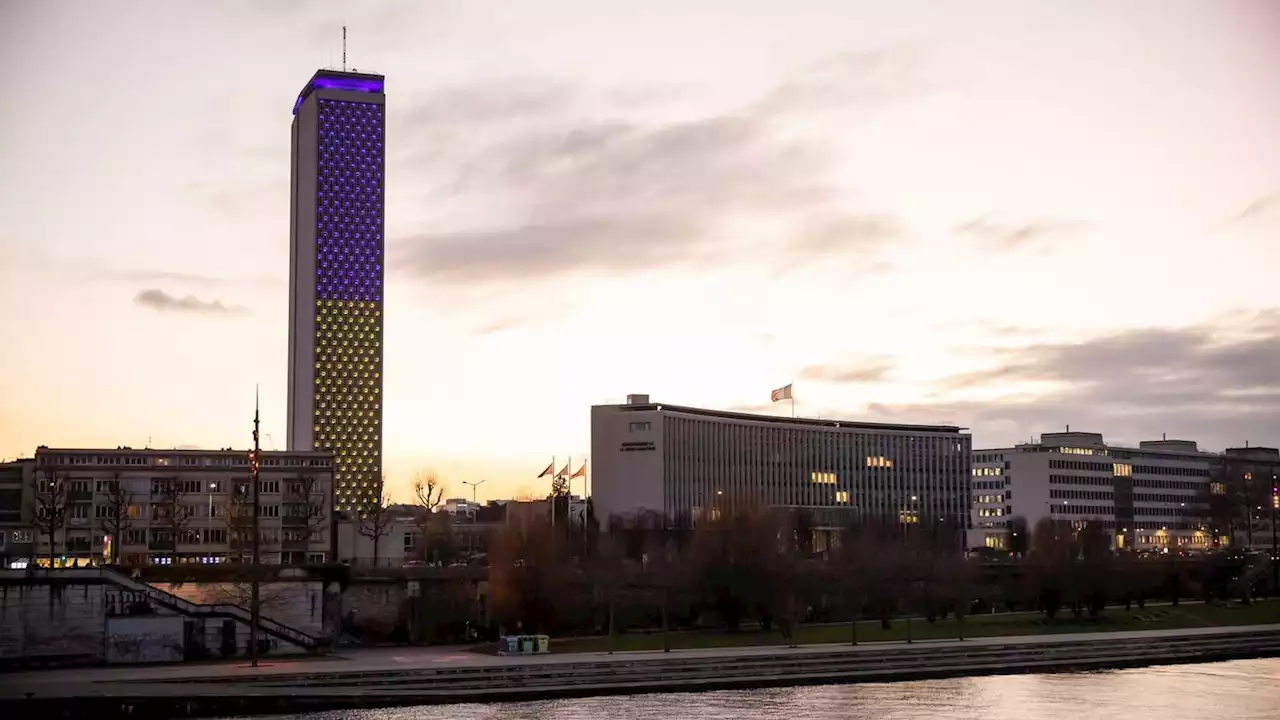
{"points": [[1239, 690]]}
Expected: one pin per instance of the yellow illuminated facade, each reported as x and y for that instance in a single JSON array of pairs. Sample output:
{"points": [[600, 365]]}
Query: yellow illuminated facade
{"points": [[348, 396]]}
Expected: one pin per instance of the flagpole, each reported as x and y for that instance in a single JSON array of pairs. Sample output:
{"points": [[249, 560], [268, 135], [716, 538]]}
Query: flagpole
{"points": [[553, 489], [792, 385]]}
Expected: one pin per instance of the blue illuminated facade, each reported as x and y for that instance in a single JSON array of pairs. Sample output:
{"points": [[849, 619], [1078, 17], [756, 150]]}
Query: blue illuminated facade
{"points": [[336, 280]]}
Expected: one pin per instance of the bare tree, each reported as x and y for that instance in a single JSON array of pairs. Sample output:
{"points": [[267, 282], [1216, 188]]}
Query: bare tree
{"points": [[169, 513], [375, 523], [429, 492], [49, 511], [305, 508], [117, 521], [240, 520]]}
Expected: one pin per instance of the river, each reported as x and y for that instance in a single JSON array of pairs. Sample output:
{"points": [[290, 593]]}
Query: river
{"points": [[1235, 690]]}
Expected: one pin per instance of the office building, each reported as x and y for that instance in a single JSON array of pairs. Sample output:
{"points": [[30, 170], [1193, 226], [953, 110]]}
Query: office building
{"points": [[1148, 498], [1250, 478], [336, 279], [162, 507], [684, 461]]}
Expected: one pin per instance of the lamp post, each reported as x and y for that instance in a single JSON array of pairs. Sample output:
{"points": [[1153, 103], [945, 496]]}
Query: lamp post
{"points": [[471, 536]]}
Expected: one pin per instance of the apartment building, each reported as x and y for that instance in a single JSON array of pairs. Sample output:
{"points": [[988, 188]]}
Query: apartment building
{"points": [[683, 461], [1148, 498], [16, 483], [163, 507]]}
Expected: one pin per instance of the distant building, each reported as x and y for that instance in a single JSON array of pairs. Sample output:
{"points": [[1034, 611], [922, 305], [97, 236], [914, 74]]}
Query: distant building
{"points": [[681, 461], [1251, 476], [1147, 498], [336, 270], [180, 506], [17, 482]]}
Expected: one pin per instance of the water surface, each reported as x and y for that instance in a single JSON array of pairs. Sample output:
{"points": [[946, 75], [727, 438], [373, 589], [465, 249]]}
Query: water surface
{"points": [[1238, 690]]}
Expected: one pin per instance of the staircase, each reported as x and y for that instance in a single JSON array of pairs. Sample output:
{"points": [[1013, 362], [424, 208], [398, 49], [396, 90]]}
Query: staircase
{"points": [[187, 608]]}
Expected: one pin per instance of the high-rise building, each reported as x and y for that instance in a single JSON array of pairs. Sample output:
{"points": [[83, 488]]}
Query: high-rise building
{"points": [[336, 279]]}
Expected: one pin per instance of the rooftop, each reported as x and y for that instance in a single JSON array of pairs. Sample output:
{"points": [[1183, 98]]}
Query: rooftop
{"points": [[326, 79], [785, 420]]}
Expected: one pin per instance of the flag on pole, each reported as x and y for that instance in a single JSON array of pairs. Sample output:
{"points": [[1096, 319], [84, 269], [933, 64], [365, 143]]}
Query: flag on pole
{"points": [[550, 469], [782, 393], [582, 471], [564, 471]]}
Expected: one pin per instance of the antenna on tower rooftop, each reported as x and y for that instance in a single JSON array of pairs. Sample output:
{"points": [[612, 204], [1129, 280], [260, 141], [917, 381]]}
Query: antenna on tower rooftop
{"points": [[344, 48]]}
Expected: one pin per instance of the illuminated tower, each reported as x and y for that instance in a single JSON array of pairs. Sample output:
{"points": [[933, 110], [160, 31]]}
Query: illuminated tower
{"points": [[335, 279]]}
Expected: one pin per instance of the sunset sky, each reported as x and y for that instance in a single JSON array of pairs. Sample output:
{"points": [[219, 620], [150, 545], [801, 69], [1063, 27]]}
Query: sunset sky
{"points": [[1010, 216]]}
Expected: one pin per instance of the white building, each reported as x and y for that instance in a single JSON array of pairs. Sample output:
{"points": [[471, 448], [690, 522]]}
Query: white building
{"points": [[684, 461], [180, 506], [336, 270], [1147, 498]]}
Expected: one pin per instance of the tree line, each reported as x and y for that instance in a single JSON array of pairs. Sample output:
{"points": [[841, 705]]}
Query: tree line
{"points": [[762, 567]]}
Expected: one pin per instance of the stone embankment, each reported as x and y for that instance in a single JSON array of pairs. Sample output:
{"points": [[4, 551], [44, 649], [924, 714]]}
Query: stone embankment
{"points": [[339, 685]]}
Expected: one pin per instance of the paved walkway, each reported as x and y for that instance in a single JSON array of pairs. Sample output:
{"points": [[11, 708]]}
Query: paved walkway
{"points": [[151, 679]]}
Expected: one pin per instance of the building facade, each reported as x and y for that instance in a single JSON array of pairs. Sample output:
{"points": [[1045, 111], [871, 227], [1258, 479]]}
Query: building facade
{"points": [[163, 507], [1148, 498], [17, 481], [336, 266], [1249, 477], [684, 461]]}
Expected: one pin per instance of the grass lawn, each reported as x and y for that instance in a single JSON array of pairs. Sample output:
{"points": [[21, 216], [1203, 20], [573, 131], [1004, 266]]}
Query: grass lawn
{"points": [[1154, 617]]}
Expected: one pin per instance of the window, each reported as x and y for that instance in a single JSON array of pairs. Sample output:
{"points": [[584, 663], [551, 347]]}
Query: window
{"points": [[641, 426], [879, 461], [1123, 470], [104, 511], [215, 536], [78, 511], [105, 486], [21, 536], [410, 541], [270, 511], [268, 486], [822, 478], [189, 486], [842, 496]]}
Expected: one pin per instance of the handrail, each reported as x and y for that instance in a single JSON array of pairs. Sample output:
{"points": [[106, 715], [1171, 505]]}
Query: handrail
{"points": [[294, 635]]}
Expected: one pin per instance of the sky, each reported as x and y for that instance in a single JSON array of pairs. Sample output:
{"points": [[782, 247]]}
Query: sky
{"points": [[1008, 216]]}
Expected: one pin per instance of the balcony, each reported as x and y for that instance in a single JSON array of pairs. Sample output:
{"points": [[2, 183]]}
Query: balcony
{"points": [[293, 521]]}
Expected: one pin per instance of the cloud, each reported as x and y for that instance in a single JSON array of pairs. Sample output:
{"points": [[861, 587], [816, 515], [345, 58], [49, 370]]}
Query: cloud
{"points": [[558, 194], [160, 300], [1213, 382], [870, 370], [1003, 235]]}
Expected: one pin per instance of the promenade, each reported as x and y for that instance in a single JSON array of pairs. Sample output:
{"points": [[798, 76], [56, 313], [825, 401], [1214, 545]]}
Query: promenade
{"points": [[406, 676]]}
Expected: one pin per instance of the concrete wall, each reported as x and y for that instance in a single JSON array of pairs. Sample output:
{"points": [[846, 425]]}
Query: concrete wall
{"points": [[43, 620], [298, 604], [145, 639]]}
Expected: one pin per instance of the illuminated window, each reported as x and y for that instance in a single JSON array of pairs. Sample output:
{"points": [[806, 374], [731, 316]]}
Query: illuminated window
{"points": [[842, 496], [822, 478], [879, 461], [1123, 470]]}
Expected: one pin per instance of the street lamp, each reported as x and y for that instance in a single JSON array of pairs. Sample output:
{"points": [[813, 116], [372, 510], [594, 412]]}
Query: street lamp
{"points": [[471, 536]]}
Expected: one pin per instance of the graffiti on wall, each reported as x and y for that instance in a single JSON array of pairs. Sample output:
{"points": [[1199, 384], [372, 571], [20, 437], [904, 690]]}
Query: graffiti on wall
{"points": [[153, 639]]}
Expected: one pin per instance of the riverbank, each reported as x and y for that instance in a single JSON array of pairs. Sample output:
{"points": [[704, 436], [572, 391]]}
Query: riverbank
{"points": [[403, 677], [1155, 616]]}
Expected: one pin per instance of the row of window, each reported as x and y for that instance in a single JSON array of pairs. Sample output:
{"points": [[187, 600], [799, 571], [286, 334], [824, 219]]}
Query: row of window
{"points": [[187, 461]]}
